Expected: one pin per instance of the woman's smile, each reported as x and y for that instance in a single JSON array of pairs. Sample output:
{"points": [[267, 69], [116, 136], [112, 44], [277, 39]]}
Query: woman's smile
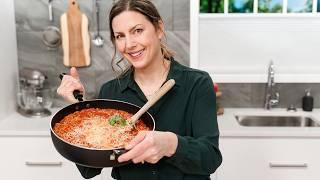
{"points": [[136, 54]]}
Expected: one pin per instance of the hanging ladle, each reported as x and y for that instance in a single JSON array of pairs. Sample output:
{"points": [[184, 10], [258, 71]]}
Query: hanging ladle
{"points": [[97, 40], [51, 36]]}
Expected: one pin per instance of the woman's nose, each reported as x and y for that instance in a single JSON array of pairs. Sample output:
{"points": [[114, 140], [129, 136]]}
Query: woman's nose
{"points": [[130, 42]]}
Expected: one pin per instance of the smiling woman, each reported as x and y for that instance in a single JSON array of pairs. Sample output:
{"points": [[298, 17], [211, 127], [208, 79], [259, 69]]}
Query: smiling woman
{"points": [[184, 144], [137, 40]]}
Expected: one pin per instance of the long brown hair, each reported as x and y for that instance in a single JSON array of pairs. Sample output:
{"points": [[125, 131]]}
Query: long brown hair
{"points": [[144, 7]]}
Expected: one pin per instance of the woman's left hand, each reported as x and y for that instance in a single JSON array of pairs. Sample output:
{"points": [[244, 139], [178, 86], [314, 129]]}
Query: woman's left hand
{"points": [[150, 146]]}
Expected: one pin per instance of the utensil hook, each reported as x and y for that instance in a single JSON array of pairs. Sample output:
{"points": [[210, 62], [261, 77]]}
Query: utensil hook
{"points": [[50, 10]]}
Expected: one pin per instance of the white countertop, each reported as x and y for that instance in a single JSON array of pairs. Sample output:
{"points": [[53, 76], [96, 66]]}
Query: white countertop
{"points": [[18, 125], [229, 127]]}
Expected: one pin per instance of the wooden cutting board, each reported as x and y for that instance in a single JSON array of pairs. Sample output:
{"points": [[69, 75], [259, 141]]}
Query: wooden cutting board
{"points": [[75, 37]]}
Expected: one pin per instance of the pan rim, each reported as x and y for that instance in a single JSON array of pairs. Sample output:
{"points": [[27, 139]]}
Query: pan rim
{"points": [[95, 149]]}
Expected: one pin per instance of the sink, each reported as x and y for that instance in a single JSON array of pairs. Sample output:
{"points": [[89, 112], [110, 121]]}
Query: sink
{"points": [[276, 121]]}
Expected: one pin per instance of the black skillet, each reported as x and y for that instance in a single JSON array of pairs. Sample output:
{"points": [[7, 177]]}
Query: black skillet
{"points": [[91, 157]]}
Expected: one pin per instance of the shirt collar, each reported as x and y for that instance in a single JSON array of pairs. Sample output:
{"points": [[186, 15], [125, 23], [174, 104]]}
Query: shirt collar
{"points": [[126, 80]]}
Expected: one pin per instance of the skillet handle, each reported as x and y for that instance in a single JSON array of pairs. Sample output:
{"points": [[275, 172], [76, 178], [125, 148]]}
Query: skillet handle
{"points": [[76, 93]]}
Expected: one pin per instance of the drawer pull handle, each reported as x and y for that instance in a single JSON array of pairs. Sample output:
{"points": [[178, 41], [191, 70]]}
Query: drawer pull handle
{"points": [[287, 165], [39, 163]]}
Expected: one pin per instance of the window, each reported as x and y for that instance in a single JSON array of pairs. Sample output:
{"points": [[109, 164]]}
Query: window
{"points": [[270, 6], [211, 6], [299, 6], [259, 6], [240, 6]]}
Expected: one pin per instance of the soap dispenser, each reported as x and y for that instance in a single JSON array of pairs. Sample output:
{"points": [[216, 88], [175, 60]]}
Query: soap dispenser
{"points": [[307, 101]]}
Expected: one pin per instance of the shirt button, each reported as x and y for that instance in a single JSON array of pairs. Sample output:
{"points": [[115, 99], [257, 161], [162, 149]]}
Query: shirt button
{"points": [[154, 172]]}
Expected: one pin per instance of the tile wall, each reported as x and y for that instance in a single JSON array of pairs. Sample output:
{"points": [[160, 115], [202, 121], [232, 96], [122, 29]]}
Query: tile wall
{"points": [[32, 17], [252, 95]]}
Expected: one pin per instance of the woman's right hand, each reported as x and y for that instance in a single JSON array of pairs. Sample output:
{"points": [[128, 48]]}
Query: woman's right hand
{"points": [[70, 83]]}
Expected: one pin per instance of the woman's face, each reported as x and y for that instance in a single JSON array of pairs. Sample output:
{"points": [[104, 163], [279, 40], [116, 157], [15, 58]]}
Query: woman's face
{"points": [[137, 39]]}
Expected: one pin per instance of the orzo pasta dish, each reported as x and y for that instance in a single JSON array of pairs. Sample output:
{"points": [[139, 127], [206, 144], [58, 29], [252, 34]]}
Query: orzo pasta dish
{"points": [[98, 128]]}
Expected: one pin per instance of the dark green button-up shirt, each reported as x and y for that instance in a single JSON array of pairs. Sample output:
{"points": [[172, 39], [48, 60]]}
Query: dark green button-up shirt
{"points": [[189, 111]]}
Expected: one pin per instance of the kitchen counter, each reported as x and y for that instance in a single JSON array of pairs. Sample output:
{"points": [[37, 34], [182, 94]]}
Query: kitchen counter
{"points": [[18, 125], [229, 127]]}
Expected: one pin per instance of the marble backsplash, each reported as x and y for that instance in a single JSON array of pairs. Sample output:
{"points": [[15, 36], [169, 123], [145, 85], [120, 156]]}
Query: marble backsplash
{"points": [[32, 17], [252, 95]]}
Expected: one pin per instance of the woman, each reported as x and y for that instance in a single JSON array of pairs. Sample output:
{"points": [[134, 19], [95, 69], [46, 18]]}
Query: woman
{"points": [[185, 142]]}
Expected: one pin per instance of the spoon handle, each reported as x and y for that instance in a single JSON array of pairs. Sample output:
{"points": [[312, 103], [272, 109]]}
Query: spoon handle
{"points": [[153, 99]]}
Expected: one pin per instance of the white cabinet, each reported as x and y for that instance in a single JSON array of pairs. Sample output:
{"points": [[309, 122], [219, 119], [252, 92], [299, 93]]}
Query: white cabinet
{"points": [[269, 159], [35, 158], [106, 174]]}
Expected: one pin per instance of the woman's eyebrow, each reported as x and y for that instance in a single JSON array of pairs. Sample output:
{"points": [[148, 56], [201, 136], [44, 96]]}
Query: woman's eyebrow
{"points": [[131, 29]]}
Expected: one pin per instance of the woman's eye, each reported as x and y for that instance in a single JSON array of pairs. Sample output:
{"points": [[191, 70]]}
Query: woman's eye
{"points": [[118, 36], [138, 31]]}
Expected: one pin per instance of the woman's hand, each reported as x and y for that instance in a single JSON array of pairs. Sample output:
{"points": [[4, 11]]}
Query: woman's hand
{"points": [[150, 146], [70, 83]]}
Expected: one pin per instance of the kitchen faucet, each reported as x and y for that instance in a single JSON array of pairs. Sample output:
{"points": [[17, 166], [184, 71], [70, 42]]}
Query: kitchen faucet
{"points": [[271, 96]]}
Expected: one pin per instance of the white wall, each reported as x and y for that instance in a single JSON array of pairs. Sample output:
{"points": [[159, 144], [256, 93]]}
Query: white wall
{"points": [[8, 58], [238, 49]]}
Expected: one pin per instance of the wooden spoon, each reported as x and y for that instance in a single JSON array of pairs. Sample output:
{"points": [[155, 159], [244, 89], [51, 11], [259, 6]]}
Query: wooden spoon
{"points": [[151, 101]]}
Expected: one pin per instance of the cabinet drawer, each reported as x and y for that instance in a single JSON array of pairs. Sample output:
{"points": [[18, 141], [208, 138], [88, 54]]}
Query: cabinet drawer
{"points": [[33, 158], [269, 159]]}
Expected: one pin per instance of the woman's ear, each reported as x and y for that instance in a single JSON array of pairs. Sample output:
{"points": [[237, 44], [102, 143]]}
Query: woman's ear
{"points": [[160, 31]]}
